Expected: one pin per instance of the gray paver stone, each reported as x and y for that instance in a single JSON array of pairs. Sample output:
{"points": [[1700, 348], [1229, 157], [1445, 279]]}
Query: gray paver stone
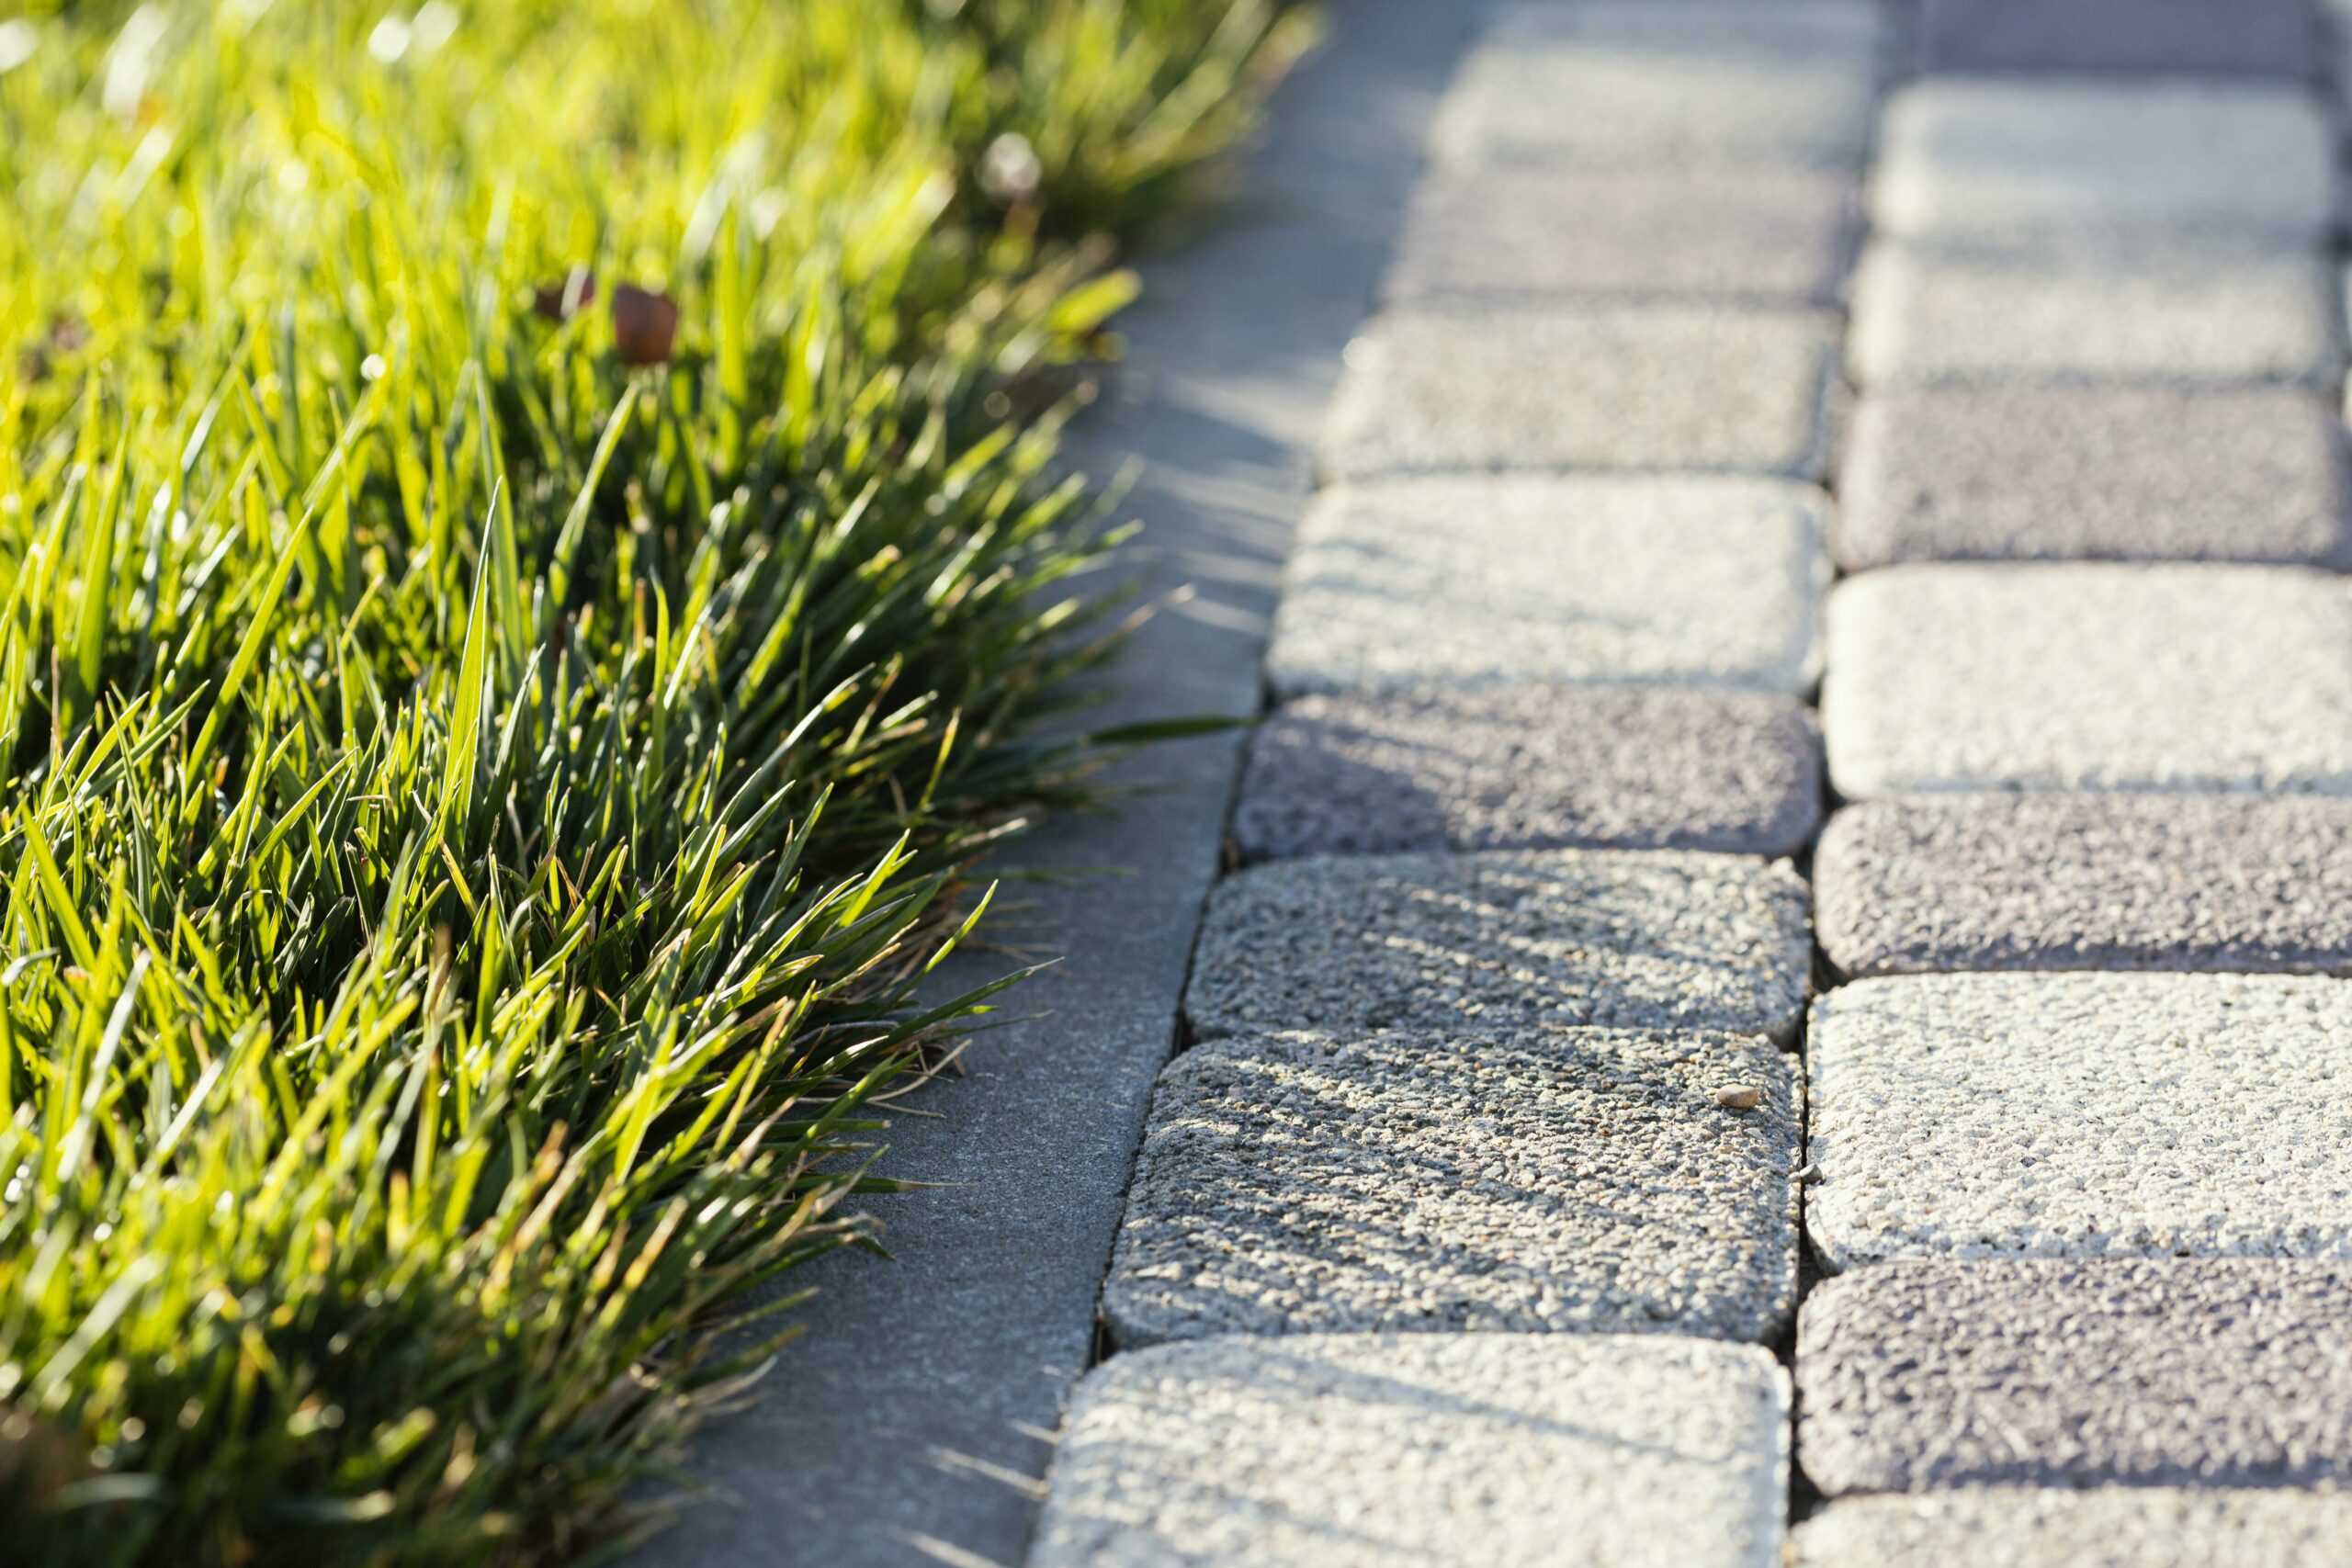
{"points": [[1993, 882], [1512, 938], [1766, 234], [2092, 677], [1490, 386], [2079, 473], [2122, 1526], [2224, 1371], [1580, 1180], [1532, 767], [2081, 1115], [1452, 1450], [2199, 38], [1667, 85], [2091, 308], [1983, 157], [1700, 580]]}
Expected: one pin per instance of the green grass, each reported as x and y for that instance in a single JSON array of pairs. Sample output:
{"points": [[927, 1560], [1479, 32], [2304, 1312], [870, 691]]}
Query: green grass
{"points": [[474, 805]]}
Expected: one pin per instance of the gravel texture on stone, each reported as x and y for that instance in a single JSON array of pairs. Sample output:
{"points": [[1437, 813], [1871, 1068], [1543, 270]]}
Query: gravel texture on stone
{"points": [[1763, 234], [1582, 1179], [2188, 37], [2091, 473], [1532, 767], [1441, 582], [2091, 677], [1490, 386], [2114, 882], [2120, 1527], [1482, 1450], [2081, 1116], [1971, 157], [1505, 940], [2229, 1371], [2092, 308], [1669, 86]]}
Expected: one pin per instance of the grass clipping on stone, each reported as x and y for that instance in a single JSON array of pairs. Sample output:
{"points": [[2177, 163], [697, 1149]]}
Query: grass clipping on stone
{"points": [[530, 563]]}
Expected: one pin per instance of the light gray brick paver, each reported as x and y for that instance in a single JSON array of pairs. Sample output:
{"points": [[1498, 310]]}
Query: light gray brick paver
{"points": [[2112, 882], [1920, 1377], [2086, 472], [1505, 940], [1458, 580], [2091, 308], [2122, 1526], [2081, 1115], [1765, 234], [1469, 1450], [1578, 1180], [1987, 157], [1665, 85], [1532, 767], [1488, 386], [2187, 37], [2092, 677]]}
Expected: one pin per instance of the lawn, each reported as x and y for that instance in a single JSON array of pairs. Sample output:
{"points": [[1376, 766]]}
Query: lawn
{"points": [[531, 564]]}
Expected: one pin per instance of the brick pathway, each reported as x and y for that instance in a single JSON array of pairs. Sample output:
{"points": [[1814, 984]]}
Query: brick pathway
{"points": [[1472, 1227]]}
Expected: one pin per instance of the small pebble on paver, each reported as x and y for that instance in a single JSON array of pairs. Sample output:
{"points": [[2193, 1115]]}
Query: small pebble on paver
{"points": [[1983, 157], [2224, 1372], [1700, 581], [2081, 1115], [1662, 87], [2119, 1527], [2082, 473], [1490, 386], [1504, 940], [2115, 882], [1765, 234], [1486, 1450], [2185, 37], [2089, 677], [2092, 308], [1567, 1180], [1532, 767]]}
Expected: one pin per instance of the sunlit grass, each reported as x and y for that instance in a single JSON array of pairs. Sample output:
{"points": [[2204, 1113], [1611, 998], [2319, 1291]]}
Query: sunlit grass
{"points": [[480, 779]]}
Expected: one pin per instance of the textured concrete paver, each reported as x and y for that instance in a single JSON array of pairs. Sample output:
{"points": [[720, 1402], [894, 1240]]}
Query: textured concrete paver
{"points": [[1661, 86], [2174, 1371], [2095, 677], [1567, 1179], [2081, 1115], [2124, 1526], [1469, 1450], [1981, 882], [2189, 38], [1696, 580], [2089, 308], [1962, 158], [2120, 473], [1532, 767], [1769, 234], [1483, 385], [1504, 940]]}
